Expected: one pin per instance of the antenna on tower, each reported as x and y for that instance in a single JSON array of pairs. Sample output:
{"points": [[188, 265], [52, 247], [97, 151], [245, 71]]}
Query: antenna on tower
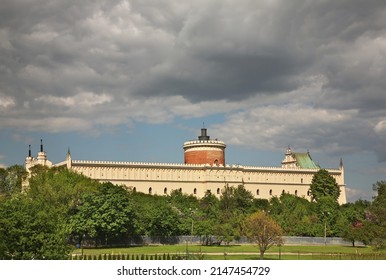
{"points": [[41, 145], [29, 151]]}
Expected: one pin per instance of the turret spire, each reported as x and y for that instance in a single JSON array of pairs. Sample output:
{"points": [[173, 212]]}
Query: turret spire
{"points": [[41, 145], [29, 151]]}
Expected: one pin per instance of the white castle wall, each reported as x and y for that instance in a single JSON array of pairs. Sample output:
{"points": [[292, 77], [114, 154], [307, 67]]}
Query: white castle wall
{"points": [[162, 178]]}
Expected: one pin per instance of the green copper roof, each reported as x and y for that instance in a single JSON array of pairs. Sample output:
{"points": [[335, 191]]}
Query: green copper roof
{"points": [[304, 160]]}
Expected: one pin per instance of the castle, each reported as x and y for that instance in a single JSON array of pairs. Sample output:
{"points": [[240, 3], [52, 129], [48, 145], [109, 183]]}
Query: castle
{"points": [[204, 169]]}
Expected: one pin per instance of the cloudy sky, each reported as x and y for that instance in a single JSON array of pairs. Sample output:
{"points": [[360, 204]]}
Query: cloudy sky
{"points": [[132, 80]]}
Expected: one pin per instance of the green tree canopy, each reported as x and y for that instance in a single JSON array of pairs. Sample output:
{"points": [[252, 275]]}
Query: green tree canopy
{"points": [[104, 214], [11, 180], [378, 214], [322, 185], [31, 230]]}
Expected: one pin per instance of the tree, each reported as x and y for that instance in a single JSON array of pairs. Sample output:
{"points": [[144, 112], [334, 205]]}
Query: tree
{"points": [[296, 215], [104, 215], [322, 185], [11, 180], [263, 230], [243, 199], [378, 214], [352, 224], [31, 230], [59, 187]]}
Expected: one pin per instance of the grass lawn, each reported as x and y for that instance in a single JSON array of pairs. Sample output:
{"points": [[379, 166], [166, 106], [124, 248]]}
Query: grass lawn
{"points": [[245, 252]]}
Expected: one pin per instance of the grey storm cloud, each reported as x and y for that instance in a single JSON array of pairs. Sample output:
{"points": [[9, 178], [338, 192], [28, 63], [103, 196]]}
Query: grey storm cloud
{"points": [[76, 59]]}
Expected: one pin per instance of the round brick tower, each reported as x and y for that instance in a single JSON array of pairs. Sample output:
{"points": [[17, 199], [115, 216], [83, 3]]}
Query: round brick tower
{"points": [[204, 150]]}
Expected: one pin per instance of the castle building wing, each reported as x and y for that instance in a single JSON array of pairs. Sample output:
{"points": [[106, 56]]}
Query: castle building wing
{"points": [[204, 170]]}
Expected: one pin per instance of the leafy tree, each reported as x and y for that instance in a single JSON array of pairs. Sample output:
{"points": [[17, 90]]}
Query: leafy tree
{"points": [[104, 214], [31, 230], [322, 185], [296, 215], [11, 180], [263, 230], [352, 222], [243, 199], [378, 214], [327, 210], [209, 205], [187, 206], [59, 187], [227, 200]]}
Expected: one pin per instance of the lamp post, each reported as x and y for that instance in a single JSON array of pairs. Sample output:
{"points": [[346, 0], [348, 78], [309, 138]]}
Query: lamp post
{"points": [[325, 228], [81, 244]]}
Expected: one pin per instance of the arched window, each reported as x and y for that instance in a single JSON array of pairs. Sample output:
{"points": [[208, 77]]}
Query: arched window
{"points": [[283, 191], [180, 189], [165, 190], [257, 192], [150, 190], [296, 192], [195, 191], [301, 180], [308, 193], [218, 190], [134, 189], [216, 162], [270, 192]]}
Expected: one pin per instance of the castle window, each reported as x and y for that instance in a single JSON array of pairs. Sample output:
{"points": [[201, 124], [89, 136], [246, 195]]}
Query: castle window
{"points": [[296, 192], [308, 193], [150, 190], [283, 192], [301, 180], [134, 189], [270, 192], [195, 191], [216, 162], [218, 190], [180, 189], [165, 190], [257, 192]]}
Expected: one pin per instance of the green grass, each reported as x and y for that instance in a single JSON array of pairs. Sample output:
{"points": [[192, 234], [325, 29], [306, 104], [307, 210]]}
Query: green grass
{"points": [[245, 252]]}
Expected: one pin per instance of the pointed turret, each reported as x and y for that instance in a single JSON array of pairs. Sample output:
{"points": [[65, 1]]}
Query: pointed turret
{"points": [[68, 159]]}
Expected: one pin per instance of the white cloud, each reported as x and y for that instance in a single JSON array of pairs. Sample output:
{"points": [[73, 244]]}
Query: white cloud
{"points": [[356, 194], [82, 99], [380, 127], [301, 73], [6, 102]]}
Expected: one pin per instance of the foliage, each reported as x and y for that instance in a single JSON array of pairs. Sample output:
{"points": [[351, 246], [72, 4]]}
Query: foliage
{"points": [[263, 230], [322, 185], [296, 215], [31, 230], [352, 222], [104, 214], [11, 180], [59, 187], [378, 215]]}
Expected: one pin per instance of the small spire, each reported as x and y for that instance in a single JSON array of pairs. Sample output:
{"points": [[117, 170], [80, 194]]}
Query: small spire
{"points": [[341, 163], [29, 151], [41, 145]]}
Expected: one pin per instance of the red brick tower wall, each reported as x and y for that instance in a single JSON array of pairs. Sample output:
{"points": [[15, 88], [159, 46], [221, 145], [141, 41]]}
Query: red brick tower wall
{"points": [[204, 150], [204, 156]]}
